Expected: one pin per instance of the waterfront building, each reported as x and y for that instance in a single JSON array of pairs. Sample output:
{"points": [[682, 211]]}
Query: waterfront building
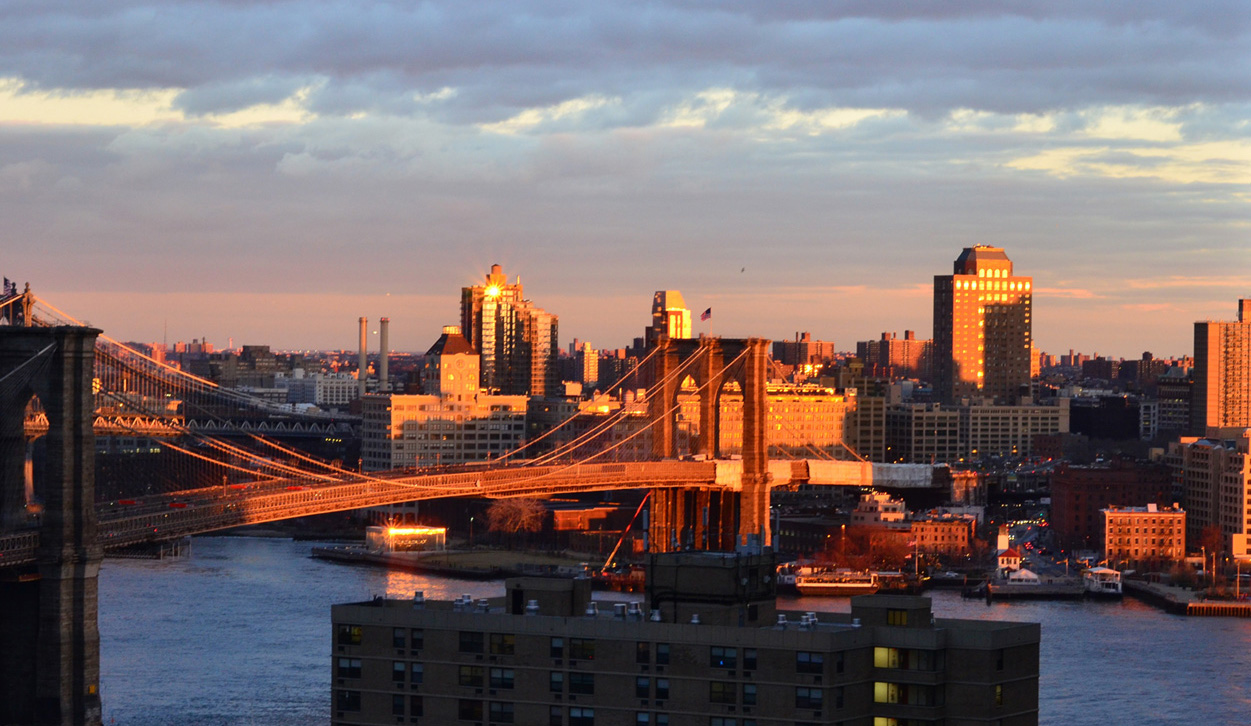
{"points": [[1144, 536], [518, 342], [876, 508], [711, 652], [1215, 480], [1221, 398], [982, 328], [944, 534], [1080, 493]]}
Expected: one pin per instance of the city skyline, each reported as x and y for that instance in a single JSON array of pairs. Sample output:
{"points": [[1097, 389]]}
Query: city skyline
{"points": [[774, 164]]}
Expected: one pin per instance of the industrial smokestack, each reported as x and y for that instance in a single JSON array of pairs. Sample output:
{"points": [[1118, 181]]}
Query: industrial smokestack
{"points": [[362, 357], [383, 352]]}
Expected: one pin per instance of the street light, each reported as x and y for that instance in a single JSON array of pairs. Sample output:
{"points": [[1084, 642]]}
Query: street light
{"points": [[471, 533]]}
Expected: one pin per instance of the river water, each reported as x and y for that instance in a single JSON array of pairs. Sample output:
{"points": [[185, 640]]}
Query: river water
{"points": [[239, 633]]}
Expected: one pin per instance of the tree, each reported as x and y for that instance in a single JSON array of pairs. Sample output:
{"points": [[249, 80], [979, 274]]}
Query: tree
{"points": [[508, 516]]}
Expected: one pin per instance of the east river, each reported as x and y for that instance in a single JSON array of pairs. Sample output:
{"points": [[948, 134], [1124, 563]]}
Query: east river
{"points": [[239, 633]]}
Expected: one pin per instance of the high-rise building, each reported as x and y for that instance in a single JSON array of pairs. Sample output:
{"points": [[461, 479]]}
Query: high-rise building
{"points": [[1215, 476], [517, 341], [1221, 396], [803, 351], [982, 328], [670, 316]]}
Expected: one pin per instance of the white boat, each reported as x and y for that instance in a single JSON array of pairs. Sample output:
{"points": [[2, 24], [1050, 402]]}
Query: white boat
{"points": [[838, 583], [1102, 582]]}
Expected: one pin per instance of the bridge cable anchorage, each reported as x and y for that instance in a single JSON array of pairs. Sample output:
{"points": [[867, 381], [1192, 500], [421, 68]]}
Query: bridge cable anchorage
{"points": [[626, 376], [608, 423]]}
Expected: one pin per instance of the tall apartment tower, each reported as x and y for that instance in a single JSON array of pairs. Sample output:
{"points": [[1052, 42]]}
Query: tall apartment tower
{"points": [[517, 341], [1221, 397], [982, 330]]}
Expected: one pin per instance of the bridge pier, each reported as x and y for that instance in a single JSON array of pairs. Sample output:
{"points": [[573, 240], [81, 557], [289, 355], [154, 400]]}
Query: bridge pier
{"points": [[49, 634]]}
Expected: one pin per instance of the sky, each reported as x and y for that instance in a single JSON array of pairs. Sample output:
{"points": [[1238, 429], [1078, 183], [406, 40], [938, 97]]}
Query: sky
{"points": [[268, 172]]}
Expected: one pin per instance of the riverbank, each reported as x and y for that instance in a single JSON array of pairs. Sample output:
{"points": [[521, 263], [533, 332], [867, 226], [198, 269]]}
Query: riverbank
{"points": [[461, 564], [1184, 601]]}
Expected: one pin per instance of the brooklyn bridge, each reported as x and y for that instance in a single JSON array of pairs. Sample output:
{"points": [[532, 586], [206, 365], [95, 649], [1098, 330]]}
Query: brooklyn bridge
{"points": [[65, 382]]}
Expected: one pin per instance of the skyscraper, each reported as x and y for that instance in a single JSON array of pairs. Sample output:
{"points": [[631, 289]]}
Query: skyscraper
{"points": [[517, 341], [982, 331], [670, 316], [1221, 395]]}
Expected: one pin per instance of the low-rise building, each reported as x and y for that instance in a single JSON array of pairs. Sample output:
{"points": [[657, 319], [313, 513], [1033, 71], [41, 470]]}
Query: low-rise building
{"points": [[1138, 536]]}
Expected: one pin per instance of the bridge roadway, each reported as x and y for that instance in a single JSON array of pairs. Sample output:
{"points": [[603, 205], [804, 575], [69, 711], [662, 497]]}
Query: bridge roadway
{"points": [[163, 517]]}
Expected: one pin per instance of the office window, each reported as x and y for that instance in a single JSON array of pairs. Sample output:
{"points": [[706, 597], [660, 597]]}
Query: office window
{"points": [[642, 718], [416, 673], [399, 638], [503, 643], [662, 654], [807, 697], [415, 706], [721, 657], [582, 683], [349, 635], [557, 649], [471, 642], [556, 682], [889, 693], [467, 710], [896, 617], [349, 668], [749, 694], [722, 692], [501, 678], [749, 659], [887, 658], [807, 662], [662, 719], [555, 716], [398, 670], [417, 637], [581, 649], [642, 687], [998, 695], [397, 704], [470, 676], [581, 716], [347, 700], [500, 712]]}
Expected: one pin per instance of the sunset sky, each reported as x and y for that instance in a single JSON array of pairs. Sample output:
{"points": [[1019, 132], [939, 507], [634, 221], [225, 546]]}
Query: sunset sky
{"points": [[271, 171]]}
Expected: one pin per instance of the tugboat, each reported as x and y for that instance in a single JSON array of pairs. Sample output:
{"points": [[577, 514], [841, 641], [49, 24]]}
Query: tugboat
{"points": [[1102, 582]]}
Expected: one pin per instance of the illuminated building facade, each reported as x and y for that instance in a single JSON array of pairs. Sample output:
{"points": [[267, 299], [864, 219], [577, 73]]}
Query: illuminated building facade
{"points": [[1221, 397], [1137, 536], [1080, 493], [921, 433], [799, 418], [453, 422], [516, 340], [982, 328], [670, 317], [1215, 476], [906, 357]]}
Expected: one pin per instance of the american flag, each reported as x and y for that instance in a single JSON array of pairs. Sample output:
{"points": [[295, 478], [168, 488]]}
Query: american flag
{"points": [[706, 314]]}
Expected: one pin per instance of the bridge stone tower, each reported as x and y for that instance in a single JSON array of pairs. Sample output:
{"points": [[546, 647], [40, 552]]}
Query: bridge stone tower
{"points": [[702, 518], [49, 634]]}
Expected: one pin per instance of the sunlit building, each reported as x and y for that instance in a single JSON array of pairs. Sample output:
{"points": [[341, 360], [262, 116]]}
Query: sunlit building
{"points": [[906, 357], [1221, 397], [982, 328], [670, 317], [517, 340], [1150, 535], [1215, 477]]}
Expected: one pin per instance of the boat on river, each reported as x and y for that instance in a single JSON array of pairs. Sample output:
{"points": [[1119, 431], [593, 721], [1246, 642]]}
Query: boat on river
{"points": [[1102, 582], [838, 583]]}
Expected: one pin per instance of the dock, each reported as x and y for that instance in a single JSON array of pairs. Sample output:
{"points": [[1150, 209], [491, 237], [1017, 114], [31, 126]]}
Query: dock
{"points": [[1181, 601]]}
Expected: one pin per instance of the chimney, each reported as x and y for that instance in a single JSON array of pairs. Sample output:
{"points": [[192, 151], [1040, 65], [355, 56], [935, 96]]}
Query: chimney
{"points": [[362, 357], [384, 330]]}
